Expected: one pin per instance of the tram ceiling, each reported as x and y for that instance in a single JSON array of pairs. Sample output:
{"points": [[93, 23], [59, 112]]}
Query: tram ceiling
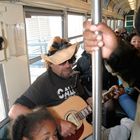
{"points": [[121, 7]]}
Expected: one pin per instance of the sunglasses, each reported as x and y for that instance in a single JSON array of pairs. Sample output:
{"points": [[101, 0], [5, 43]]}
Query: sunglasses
{"points": [[70, 61]]}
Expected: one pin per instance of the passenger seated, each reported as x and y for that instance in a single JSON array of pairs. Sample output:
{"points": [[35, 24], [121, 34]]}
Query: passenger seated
{"points": [[135, 40], [121, 33], [126, 103], [4, 129], [54, 86], [111, 116], [126, 64]]}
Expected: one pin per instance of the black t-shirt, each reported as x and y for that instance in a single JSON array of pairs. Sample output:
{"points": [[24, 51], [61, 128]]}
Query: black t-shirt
{"points": [[85, 68], [49, 89]]}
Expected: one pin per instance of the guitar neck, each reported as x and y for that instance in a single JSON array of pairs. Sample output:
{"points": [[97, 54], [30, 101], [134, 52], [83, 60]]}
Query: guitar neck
{"points": [[83, 113], [107, 96], [115, 90], [119, 90]]}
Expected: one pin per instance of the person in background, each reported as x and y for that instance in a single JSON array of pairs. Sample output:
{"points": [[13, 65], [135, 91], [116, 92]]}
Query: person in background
{"points": [[110, 117], [135, 40], [38, 125], [124, 34], [121, 33], [54, 86], [131, 93], [133, 30], [83, 65], [119, 55], [117, 31]]}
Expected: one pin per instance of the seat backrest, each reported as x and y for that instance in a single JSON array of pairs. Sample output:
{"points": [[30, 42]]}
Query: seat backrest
{"points": [[5, 129]]}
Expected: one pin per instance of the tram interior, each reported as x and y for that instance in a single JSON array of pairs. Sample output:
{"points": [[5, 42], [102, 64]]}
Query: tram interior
{"points": [[28, 25]]}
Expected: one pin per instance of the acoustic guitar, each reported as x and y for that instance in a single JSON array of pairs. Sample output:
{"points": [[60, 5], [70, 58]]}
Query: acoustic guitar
{"points": [[75, 110]]}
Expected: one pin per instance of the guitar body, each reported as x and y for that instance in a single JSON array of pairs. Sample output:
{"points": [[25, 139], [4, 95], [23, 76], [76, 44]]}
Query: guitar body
{"points": [[67, 111]]}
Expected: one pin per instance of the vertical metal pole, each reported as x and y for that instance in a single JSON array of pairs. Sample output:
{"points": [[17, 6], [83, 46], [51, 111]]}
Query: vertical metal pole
{"points": [[96, 76]]}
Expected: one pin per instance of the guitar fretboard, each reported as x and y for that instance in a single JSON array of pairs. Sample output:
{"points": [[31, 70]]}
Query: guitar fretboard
{"points": [[83, 113]]}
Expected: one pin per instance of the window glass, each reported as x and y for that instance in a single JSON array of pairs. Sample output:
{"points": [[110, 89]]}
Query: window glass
{"points": [[75, 31], [39, 30], [108, 22], [112, 24], [76, 39], [2, 104], [75, 25], [2, 108]]}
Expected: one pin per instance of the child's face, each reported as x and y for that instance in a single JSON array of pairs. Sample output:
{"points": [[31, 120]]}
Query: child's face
{"points": [[46, 131]]}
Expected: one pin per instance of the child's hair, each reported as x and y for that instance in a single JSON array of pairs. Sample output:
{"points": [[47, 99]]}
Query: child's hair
{"points": [[24, 125]]}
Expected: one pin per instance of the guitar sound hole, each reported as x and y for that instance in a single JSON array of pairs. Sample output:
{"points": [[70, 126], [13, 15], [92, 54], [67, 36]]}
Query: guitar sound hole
{"points": [[70, 116]]}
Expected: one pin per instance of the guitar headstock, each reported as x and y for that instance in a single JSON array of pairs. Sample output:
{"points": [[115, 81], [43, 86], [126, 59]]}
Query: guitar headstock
{"points": [[114, 92]]}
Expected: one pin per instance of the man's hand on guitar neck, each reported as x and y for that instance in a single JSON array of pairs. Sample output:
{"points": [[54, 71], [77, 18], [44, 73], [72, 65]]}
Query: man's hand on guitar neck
{"points": [[67, 128], [117, 90], [114, 92]]}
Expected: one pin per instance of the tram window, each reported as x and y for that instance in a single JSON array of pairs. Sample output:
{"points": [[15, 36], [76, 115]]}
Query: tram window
{"points": [[75, 30], [2, 109], [108, 22], [112, 24], [3, 99], [76, 39], [39, 30], [120, 23], [75, 25]]}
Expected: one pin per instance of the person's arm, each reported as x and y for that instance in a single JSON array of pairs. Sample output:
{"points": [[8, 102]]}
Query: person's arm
{"points": [[120, 55], [18, 109], [22, 105]]}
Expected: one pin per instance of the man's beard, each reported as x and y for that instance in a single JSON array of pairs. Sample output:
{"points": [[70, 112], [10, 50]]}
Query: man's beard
{"points": [[66, 76]]}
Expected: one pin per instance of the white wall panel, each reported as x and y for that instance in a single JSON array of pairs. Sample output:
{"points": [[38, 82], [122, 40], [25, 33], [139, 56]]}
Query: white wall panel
{"points": [[16, 67]]}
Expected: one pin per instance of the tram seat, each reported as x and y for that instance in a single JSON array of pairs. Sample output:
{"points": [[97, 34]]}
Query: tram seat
{"points": [[5, 129]]}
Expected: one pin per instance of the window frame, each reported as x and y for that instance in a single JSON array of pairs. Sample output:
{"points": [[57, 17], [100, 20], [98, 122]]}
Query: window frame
{"points": [[33, 11], [4, 93]]}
